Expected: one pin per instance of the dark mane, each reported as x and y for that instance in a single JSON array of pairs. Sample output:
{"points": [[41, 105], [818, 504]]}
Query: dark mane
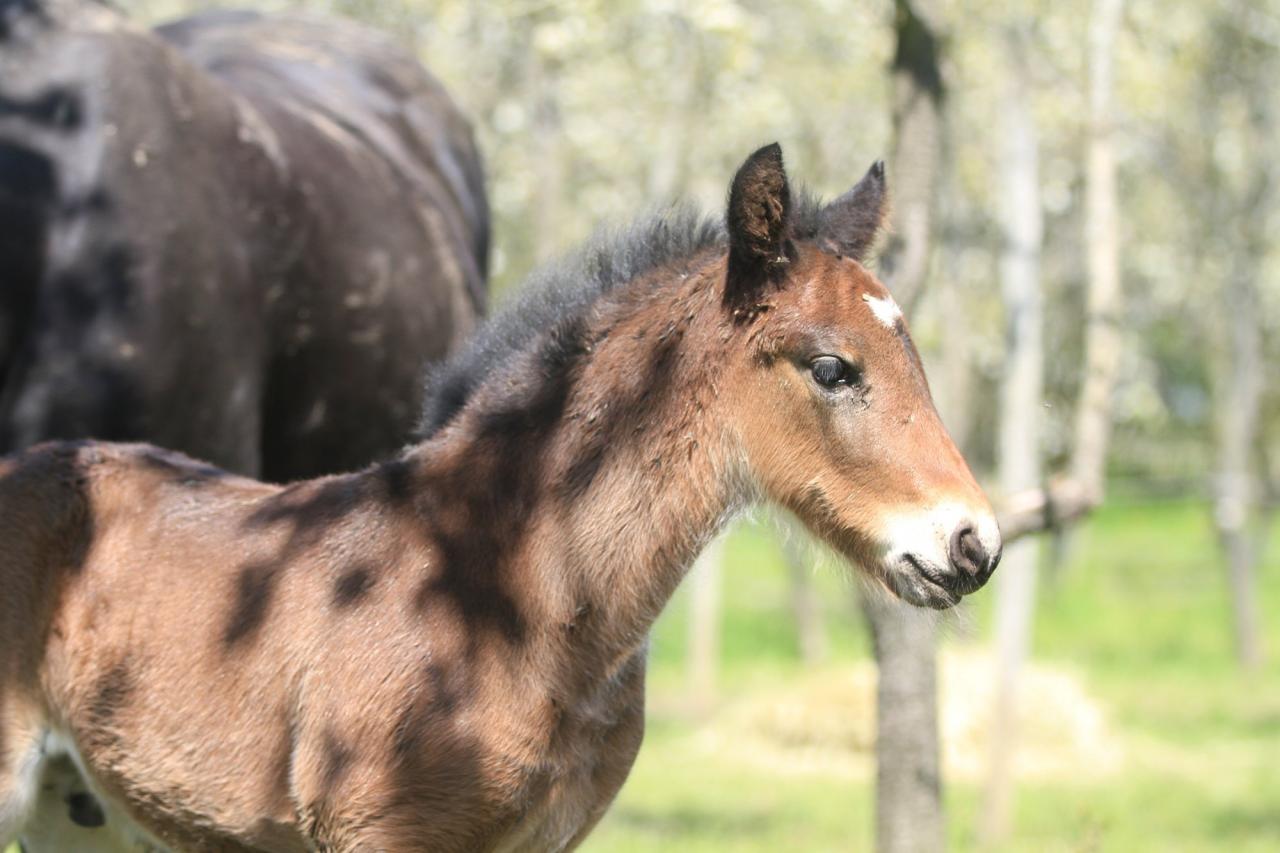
{"points": [[559, 295]]}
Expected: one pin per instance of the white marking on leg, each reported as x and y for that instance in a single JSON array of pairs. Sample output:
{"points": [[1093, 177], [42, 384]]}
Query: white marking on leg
{"points": [[886, 310]]}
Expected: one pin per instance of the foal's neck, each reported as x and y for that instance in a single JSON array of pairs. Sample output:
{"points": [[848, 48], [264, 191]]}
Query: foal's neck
{"points": [[601, 479]]}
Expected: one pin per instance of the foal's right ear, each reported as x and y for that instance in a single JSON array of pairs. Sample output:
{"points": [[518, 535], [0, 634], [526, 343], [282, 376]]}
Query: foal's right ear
{"points": [[758, 222]]}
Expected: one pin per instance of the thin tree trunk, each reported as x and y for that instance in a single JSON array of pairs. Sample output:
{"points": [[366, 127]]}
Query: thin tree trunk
{"points": [[1021, 396], [1071, 497], [548, 143], [1103, 341], [704, 626], [691, 94], [1102, 240], [1241, 378], [909, 812], [806, 607], [1237, 486], [954, 394]]}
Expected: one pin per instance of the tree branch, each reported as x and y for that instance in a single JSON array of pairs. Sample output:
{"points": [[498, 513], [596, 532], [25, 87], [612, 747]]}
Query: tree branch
{"points": [[1064, 501]]}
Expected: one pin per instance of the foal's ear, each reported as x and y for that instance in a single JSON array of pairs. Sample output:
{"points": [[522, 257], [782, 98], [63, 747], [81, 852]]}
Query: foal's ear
{"points": [[851, 224], [758, 222]]}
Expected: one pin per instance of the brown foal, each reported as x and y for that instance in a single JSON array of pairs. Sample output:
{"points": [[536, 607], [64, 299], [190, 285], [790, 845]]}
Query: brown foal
{"points": [[447, 651]]}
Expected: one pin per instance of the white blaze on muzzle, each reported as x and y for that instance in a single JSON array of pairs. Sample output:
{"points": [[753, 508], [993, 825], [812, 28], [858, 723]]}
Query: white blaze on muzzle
{"points": [[925, 535]]}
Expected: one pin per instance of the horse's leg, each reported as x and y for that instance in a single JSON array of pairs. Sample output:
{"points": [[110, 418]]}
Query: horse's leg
{"points": [[21, 760], [66, 816]]}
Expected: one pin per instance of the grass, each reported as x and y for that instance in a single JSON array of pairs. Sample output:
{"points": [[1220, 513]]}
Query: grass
{"points": [[1137, 608]]}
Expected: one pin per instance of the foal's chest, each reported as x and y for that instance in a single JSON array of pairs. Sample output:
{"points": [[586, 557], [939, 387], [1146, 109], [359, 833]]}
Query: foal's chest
{"points": [[589, 757]]}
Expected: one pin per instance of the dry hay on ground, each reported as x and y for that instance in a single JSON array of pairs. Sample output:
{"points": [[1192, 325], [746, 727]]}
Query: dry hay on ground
{"points": [[824, 723]]}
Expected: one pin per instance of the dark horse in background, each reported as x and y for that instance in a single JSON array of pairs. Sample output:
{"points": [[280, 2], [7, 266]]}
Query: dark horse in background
{"points": [[237, 236]]}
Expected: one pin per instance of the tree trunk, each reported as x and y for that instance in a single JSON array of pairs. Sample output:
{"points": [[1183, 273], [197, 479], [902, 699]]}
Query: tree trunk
{"points": [[691, 93], [1021, 397], [1237, 486], [917, 147], [1240, 381], [1246, 198], [548, 142], [954, 394], [806, 607], [909, 813], [1075, 495], [1102, 240], [704, 626]]}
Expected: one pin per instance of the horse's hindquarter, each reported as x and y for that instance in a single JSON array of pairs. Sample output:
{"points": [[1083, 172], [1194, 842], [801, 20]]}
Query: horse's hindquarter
{"points": [[166, 729], [146, 261], [220, 245], [386, 271]]}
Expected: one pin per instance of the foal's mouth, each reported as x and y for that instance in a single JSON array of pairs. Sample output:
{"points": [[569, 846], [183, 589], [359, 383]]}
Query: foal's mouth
{"points": [[906, 576], [923, 573], [935, 558], [916, 582]]}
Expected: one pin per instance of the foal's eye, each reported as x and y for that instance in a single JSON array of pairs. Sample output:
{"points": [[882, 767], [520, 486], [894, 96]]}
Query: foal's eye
{"points": [[832, 372]]}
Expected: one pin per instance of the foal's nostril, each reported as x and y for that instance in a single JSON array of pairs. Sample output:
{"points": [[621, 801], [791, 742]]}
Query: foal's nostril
{"points": [[968, 554], [995, 561]]}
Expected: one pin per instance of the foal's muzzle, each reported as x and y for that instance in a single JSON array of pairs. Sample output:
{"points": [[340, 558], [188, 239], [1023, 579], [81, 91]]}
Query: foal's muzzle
{"points": [[937, 556]]}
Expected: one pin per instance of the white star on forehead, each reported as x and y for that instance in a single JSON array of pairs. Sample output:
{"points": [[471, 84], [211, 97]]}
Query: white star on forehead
{"points": [[886, 310]]}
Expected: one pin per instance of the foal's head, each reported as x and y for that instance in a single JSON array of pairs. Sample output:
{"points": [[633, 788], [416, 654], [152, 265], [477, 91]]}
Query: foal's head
{"points": [[830, 401]]}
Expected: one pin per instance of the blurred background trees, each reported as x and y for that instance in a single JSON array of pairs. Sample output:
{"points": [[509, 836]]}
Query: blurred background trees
{"points": [[591, 112], [1083, 152]]}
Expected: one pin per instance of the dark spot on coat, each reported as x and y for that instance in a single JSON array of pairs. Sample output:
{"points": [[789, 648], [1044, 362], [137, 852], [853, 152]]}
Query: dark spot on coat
{"points": [[397, 477], [26, 175], [11, 10], [337, 759], [111, 693], [255, 586], [353, 586], [478, 598], [57, 108]]}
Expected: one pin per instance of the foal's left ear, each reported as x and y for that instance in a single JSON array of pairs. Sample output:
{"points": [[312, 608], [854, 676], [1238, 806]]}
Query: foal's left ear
{"points": [[851, 224], [758, 221]]}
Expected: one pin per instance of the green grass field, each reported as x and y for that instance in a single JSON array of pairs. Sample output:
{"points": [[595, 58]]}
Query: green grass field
{"points": [[1137, 611]]}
